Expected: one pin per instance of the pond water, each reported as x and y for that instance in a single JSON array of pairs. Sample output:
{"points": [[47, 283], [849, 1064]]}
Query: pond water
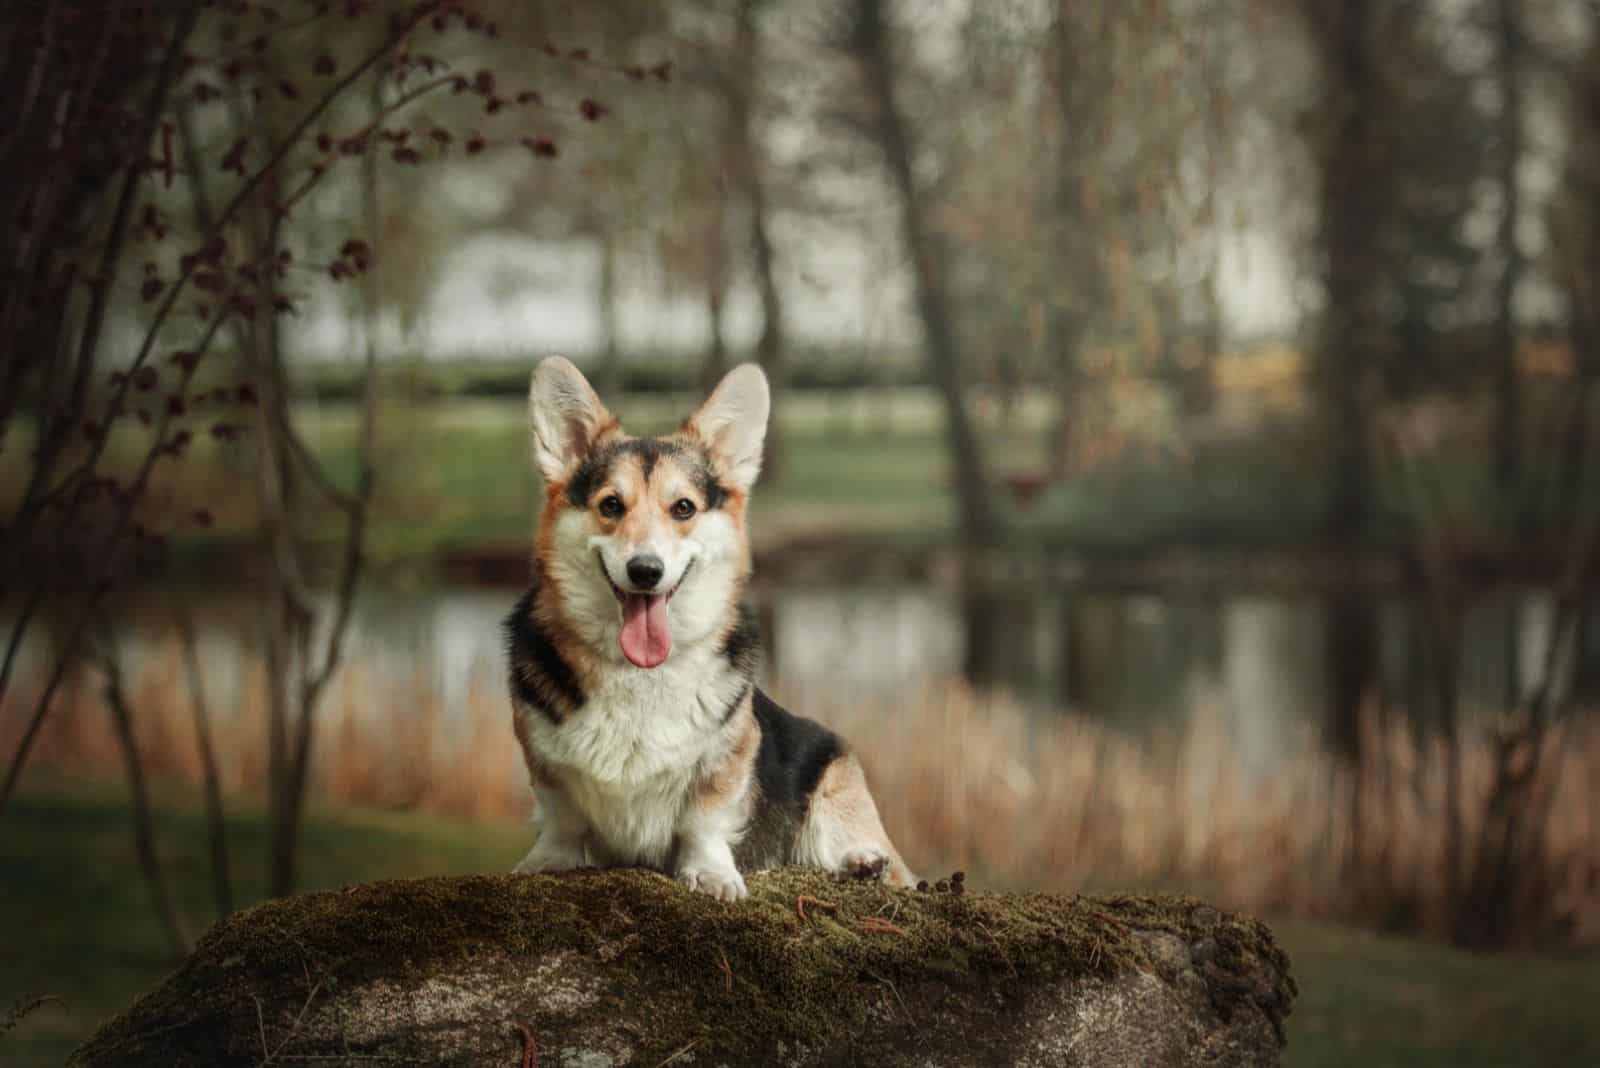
{"points": [[1137, 662]]}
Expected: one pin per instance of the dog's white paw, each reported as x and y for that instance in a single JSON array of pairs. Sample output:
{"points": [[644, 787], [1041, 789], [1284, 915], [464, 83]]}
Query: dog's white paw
{"points": [[724, 884], [551, 858], [865, 862]]}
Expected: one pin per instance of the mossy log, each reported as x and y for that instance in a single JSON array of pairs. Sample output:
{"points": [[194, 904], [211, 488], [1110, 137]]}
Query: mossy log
{"points": [[627, 968]]}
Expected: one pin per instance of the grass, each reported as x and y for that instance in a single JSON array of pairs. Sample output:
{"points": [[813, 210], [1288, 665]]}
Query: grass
{"points": [[865, 465], [457, 473], [1401, 1003], [75, 922], [862, 464]]}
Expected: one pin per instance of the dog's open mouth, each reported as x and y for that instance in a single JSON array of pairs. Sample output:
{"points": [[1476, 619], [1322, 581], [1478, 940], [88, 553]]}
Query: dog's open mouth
{"points": [[646, 635]]}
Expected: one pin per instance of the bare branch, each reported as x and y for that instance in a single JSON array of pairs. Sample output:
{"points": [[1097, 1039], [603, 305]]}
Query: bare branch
{"points": [[41, 707], [242, 197], [116, 699], [89, 336], [101, 587], [356, 525], [221, 881], [20, 628]]}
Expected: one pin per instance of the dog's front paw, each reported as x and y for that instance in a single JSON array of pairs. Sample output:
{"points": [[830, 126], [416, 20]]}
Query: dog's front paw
{"points": [[544, 857], [866, 862], [724, 884]]}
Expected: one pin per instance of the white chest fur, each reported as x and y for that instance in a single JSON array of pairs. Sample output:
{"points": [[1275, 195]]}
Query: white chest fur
{"points": [[630, 757]]}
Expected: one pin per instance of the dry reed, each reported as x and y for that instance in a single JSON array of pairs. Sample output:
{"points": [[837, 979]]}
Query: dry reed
{"points": [[965, 781]]}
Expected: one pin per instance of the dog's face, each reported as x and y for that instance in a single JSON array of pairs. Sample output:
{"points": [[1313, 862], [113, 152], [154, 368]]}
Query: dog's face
{"points": [[644, 538]]}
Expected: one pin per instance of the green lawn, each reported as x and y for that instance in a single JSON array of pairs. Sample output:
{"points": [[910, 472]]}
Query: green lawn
{"points": [[74, 922], [74, 915], [859, 465], [457, 473], [870, 463]]}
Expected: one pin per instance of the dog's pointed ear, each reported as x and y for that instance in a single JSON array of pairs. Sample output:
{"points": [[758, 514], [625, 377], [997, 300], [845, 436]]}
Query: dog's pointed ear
{"points": [[732, 424], [565, 416]]}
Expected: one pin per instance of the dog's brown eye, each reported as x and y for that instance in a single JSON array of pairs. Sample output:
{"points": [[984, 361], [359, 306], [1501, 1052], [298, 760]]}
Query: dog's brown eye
{"points": [[682, 509], [611, 507]]}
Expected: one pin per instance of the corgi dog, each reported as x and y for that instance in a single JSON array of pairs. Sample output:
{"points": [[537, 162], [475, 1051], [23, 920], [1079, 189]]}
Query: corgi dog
{"points": [[633, 660]]}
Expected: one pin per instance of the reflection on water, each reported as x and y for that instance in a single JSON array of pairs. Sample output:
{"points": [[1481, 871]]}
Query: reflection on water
{"points": [[1139, 662]]}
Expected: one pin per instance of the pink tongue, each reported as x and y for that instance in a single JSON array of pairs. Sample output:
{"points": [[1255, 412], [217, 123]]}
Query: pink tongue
{"points": [[646, 636]]}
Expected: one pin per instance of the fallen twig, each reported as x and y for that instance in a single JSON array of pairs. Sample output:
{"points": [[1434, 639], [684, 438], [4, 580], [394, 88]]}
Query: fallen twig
{"points": [[261, 1029], [727, 969], [1112, 920], [294, 1029], [806, 899], [679, 1054], [21, 1010], [1003, 955], [896, 992], [530, 1049]]}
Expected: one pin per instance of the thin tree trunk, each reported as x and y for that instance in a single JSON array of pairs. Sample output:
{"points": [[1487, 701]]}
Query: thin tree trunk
{"points": [[610, 377], [1582, 283], [143, 831], [715, 282], [1447, 667], [1350, 189], [216, 822], [1077, 240], [1586, 664], [716, 364], [311, 674], [289, 609], [1065, 337], [281, 620], [770, 345], [980, 525], [747, 154], [1508, 400]]}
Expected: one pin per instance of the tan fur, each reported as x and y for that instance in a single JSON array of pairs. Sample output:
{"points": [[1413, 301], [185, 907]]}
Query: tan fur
{"points": [[842, 810]]}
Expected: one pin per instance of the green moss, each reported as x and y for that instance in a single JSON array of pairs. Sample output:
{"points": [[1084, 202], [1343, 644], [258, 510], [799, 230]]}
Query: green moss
{"points": [[750, 972]]}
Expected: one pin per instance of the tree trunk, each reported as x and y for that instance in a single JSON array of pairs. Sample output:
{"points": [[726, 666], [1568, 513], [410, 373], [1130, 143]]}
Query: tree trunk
{"points": [[216, 824], [300, 662], [1586, 662], [980, 525], [717, 350], [610, 379], [280, 622], [144, 844], [747, 157], [1077, 239], [1447, 672], [1508, 398], [1065, 336], [1351, 186], [1582, 284], [716, 293]]}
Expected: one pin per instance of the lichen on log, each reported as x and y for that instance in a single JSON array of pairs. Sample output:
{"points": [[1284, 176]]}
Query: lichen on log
{"points": [[628, 968]]}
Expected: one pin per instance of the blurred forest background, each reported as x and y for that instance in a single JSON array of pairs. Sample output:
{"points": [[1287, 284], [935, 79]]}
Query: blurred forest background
{"points": [[1183, 473]]}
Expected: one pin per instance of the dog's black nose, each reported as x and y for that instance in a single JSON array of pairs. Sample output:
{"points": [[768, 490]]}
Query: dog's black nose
{"points": [[645, 570]]}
